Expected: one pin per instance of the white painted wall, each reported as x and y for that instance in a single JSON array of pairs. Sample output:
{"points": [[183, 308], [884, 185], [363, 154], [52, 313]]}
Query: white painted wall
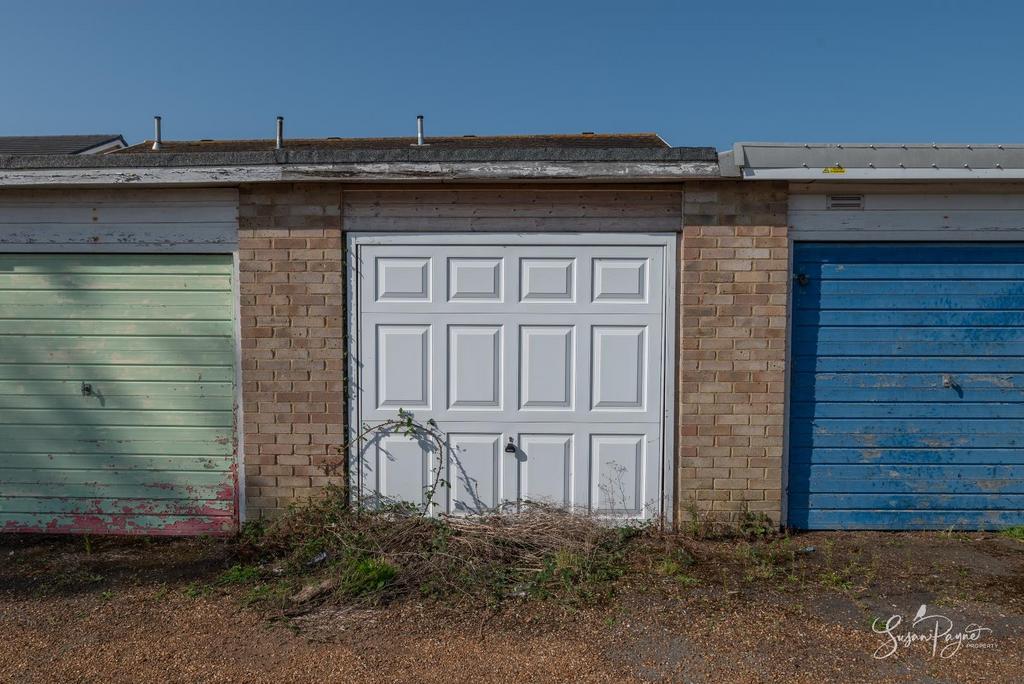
{"points": [[953, 216]]}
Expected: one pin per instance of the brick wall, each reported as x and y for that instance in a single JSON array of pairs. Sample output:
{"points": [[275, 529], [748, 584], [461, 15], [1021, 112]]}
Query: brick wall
{"points": [[292, 345], [734, 285]]}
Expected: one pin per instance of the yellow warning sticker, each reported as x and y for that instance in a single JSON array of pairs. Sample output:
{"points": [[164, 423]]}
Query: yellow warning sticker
{"points": [[833, 169]]}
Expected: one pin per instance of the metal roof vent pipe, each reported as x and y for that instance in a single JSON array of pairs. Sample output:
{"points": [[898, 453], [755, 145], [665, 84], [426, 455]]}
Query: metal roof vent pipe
{"points": [[280, 133], [419, 130], [156, 134]]}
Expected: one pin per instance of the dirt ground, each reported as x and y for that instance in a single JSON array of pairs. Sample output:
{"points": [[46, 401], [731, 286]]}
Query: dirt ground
{"points": [[797, 609]]}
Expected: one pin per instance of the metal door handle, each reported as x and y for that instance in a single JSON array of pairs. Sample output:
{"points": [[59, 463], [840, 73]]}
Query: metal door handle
{"points": [[86, 389]]}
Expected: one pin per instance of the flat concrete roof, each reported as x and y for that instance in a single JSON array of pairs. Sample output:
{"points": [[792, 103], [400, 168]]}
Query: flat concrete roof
{"points": [[548, 140], [600, 157], [357, 156]]}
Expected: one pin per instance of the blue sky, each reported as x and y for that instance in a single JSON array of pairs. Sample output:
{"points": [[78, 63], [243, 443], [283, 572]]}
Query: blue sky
{"points": [[698, 73]]}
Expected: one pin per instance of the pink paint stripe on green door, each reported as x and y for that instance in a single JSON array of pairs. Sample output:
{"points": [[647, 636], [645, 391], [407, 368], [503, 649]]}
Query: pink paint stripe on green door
{"points": [[117, 394]]}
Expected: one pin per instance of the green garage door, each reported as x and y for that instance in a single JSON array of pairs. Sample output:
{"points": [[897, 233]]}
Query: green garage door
{"points": [[116, 394]]}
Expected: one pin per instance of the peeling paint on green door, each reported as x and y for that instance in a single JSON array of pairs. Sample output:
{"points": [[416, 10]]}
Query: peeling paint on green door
{"points": [[117, 380]]}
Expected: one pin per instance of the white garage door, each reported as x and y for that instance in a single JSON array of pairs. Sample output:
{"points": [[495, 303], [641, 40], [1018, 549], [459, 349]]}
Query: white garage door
{"points": [[553, 344]]}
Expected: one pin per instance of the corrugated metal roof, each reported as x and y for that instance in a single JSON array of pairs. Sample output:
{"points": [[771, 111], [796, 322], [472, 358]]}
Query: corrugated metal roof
{"points": [[873, 161], [581, 140], [55, 144]]}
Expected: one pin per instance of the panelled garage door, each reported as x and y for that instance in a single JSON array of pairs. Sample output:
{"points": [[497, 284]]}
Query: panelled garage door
{"points": [[907, 403], [557, 346], [116, 393]]}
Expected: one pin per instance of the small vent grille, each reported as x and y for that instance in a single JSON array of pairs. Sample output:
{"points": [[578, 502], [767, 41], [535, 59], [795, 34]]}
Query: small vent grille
{"points": [[846, 202]]}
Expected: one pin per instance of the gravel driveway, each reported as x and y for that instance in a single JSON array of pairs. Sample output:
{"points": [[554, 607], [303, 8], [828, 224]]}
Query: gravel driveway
{"points": [[799, 609]]}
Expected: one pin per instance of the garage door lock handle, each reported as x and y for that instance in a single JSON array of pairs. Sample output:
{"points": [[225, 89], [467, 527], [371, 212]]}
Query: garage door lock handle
{"points": [[949, 383], [510, 448], [86, 389]]}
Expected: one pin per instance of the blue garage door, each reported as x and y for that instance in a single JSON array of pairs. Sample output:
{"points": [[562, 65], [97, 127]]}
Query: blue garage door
{"points": [[907, 404]]}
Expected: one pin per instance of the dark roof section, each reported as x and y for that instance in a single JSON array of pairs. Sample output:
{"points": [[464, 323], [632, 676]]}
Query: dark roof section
{"points": [[426, 154], [580, 148], [55, 144], [465, 142]]}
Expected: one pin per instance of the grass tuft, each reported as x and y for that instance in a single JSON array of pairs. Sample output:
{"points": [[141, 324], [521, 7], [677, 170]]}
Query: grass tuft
{"points": [[676, 564], [239, 574], [366, 577]]}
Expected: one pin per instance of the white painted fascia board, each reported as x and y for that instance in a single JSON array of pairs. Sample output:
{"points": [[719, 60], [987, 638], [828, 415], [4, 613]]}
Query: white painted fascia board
{"points": [[852, 174], [360, 172]]}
